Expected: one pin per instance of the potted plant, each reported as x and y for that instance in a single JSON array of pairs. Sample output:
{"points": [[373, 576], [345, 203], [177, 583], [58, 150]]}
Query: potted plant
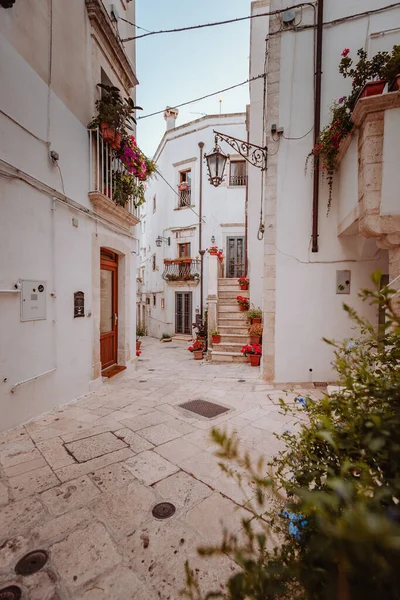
{"points": [[255, 332], [213, 250], [166, 338], [125, 187], [244, 282], [134, 160], [114, 114], [183, 186], [216, 337], [368, 75], [243, 303], [254, 315], [168, 261], [140, 332], [254, 352], [197, 348], [220, 255], [392, 70]]}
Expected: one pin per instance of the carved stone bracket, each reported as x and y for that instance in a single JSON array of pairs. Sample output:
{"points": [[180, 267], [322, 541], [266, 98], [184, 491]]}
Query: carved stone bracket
{"points": [[107, 209]]}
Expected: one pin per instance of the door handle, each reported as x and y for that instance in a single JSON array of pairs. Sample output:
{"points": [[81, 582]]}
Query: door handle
{"points": [[115, 318]]}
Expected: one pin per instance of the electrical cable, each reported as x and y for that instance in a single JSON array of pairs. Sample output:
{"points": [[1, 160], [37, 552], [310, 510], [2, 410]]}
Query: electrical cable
{"points": [[175, 192], [328, 262], [158, 112], [134, 25], [352, 17], [217, 23]]}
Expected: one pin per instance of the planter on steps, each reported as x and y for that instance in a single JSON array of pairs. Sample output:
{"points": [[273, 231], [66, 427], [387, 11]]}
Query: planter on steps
{"points": [[243, 308], [244, 287], [256, 320], [216, 339], [138, 344], [198, 354], [255, 360], [255, 339]]}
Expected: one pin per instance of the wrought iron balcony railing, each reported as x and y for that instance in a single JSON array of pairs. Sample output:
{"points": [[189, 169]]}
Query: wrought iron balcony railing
{"points": [[236, 180], [186, 269], [185, 197]]}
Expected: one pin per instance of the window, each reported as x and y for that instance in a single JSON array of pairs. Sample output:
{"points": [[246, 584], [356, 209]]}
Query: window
{"points": [[153, 261], [147, 300], [154, 300], [185, 188], [238, 173], [154, 203], [162, 303], [184, 250]]}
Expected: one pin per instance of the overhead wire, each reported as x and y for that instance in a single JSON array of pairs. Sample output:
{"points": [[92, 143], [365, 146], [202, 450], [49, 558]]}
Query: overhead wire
{"points": [[175, 192], [159, 112]]}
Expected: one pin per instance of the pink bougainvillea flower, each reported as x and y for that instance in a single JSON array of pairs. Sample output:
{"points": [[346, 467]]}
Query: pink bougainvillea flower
{"points": [[346, 51]]}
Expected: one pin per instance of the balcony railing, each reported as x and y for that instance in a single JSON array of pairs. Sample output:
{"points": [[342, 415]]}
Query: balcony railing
{"points": [[185, 197], [105, 170], [181, 270], [236, 180]]}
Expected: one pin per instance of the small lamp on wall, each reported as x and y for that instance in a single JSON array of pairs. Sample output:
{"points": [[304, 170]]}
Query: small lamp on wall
{"points": [[213, 239]]}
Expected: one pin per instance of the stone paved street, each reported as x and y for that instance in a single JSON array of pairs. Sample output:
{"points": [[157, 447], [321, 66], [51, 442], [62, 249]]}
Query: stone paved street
{"points": [[81, 482]]}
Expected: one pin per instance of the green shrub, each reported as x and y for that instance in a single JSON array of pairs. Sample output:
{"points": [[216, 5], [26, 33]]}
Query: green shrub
{"points": [[331, 497]]}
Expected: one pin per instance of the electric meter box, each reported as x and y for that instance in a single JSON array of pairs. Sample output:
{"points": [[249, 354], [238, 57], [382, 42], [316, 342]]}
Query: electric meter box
{"points": [[33, 300]]}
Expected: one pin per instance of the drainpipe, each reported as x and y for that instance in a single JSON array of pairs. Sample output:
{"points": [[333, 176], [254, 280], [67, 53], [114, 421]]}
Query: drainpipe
{"points": [[246, 218], [317, 121], [201, 251]]}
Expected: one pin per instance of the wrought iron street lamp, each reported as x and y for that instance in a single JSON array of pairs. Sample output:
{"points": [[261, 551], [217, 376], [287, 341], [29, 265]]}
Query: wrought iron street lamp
{"points": [[216, 159], [161, 239]]}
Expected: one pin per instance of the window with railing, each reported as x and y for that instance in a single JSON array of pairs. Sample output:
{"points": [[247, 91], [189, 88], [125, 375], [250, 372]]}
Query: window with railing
{"points": [[185, 270], [237, 175], [109, 176], [185, 188]]}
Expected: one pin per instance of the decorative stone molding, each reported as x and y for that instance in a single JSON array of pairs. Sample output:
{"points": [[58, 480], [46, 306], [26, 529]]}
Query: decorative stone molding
{"points": [[106, 35], [107, 209], [183, 284]]}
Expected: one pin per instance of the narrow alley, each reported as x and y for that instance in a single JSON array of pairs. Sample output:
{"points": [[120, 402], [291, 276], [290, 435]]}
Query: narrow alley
{"points": [[81, 482]]}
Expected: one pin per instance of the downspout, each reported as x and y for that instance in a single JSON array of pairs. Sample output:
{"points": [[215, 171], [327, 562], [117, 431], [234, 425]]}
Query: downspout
{"points": [[201, 251], [246, 219], [317, 122]]}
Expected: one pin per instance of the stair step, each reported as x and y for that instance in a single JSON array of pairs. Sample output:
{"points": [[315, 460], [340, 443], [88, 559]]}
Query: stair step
{"points": [[242, 339], [230, 308], [228, 347], [231, 294], [224, 323], [228, 357], [232, 314]]}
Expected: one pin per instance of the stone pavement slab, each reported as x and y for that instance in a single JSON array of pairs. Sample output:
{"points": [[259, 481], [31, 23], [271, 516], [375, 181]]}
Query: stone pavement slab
{"points": [[71, 495], [94, 446], [149, 467]]}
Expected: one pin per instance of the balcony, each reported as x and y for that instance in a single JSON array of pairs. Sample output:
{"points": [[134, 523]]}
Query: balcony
{"points": [[107, 192], [185, 197], [237, 180], [184, 271]]}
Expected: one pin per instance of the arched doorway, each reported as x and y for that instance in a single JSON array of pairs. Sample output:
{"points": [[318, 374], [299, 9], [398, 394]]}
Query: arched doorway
{"points": [[108, 308]]}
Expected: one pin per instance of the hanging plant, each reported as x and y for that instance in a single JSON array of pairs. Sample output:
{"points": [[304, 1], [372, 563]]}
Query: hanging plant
{"points": [[134, 160], [127, 187], [113, 111]]}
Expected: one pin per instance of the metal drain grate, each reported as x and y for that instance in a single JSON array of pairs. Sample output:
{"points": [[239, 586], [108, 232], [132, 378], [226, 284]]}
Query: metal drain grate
{"points": [[204, 408], [164, 510], [10, 593], [320, 384], [31, 562]]}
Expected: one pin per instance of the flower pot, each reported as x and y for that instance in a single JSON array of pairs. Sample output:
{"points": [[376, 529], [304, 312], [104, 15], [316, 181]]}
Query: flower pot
{"points": [[183, 187], [395, 84], [198, 354], [213, 253], [254, 339], [255, 360], [111, 136], [165, 340], [138, 344], [243, 307], [244, 286], [372, 88], [187, 261], [168, 261], [256, 320], [216, 339]]}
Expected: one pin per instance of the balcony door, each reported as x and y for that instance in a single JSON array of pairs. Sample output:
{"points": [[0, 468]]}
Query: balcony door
{"points": [[183, 313], [108, 308], [235, 262]]}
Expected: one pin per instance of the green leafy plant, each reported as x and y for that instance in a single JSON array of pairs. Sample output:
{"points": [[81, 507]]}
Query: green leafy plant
{"points": [[114, 110], [165, 336], [214, 332], [392, 67], [140, 332], [126, 186], [254, 313], [325, 520]]}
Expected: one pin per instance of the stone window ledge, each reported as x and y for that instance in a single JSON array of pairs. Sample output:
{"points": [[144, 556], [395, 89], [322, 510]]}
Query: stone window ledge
{"points": [[107, 209]]}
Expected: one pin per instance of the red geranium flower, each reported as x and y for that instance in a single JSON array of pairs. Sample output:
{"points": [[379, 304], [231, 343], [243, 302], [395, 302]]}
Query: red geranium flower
{"points": [[345, 52]]}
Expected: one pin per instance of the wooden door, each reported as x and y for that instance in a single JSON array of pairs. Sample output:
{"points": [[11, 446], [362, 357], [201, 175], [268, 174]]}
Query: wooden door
{"points": [[183, 313], [108, 308], [235, 257]]}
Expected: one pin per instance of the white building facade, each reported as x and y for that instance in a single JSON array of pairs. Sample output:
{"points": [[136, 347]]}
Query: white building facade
{"points": [[303, 265], [68, 265], [190, 215]]}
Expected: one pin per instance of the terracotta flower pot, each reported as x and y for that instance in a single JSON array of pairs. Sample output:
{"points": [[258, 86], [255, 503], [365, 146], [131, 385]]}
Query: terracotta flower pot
{"points": [[138, 344], [187, 261], [395, 85], [244, 286], [243, 307], [198, 354], [213, 253], [255, 360], [254, 339], [256, 320], [372, 88], [168, 261], [216, 339], [183, 187], [111, 136]]}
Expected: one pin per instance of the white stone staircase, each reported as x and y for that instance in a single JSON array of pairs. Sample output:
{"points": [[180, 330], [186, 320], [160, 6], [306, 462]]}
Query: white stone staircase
{"points": [[232, 323]]}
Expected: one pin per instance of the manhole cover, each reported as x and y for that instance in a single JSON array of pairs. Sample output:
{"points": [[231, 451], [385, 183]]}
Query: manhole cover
{"points": [[31, 562], [204, 408], [164, 510], [320, 384], [241, 380], [10, 593]]}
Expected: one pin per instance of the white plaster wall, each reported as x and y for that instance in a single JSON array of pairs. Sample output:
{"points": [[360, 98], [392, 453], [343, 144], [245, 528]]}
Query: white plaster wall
{"points": [[390, 203], [258, 33], [39, 241], [307, 306], [347, 179], [223, 212]]}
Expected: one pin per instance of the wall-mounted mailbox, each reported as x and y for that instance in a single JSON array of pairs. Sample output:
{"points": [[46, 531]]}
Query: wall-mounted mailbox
{"points": [[79, 305], [33, 300], [343, 282]]}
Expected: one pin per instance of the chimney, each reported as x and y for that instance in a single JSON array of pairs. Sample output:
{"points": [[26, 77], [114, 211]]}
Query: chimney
{"points": [[170, 115]]}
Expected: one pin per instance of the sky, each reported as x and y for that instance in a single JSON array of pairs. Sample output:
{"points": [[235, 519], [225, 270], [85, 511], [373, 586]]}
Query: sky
{"points": [[173, 68]]}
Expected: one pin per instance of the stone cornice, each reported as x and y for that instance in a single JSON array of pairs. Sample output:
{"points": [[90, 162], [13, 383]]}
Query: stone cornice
{"points": [[107, 36], [107, 209], [374, 104]]}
